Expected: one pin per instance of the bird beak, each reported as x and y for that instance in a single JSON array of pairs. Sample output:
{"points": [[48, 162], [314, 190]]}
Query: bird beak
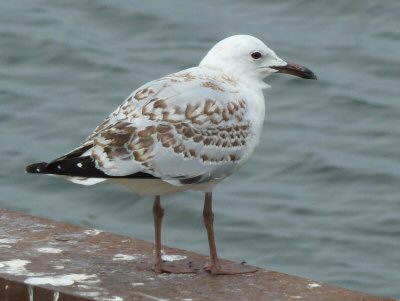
{"points": [[296, 70]]}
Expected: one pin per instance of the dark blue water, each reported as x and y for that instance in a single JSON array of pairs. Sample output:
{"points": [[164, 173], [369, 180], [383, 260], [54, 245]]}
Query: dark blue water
{"points": [[321, 196]]}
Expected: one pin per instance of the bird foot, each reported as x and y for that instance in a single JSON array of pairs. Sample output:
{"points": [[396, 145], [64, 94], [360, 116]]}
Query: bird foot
{"points": [[230, 269], [175, 268]]}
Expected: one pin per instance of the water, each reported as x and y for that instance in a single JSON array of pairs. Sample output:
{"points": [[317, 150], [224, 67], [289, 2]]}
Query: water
{"points": [[320, 198]]}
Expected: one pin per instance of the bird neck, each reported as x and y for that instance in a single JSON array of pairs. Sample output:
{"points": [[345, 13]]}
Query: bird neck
{"points": [[238, 75]]}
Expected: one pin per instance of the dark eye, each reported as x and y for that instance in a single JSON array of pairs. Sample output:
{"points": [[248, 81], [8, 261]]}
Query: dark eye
{"points": [[256, 55]]}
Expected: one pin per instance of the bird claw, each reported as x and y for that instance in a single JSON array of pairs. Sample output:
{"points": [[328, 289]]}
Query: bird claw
{"points": [[230, 269], [175, 268]]}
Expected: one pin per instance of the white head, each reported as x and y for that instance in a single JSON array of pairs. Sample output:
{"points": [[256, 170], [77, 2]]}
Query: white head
{"points": [[247, 57]]}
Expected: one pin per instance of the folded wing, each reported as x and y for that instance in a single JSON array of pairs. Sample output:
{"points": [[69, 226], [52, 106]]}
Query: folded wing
{"points": [[187, 127]]}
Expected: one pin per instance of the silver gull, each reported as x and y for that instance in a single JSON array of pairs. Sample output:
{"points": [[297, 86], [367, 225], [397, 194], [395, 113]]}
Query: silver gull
{"points": [[185, 131]]}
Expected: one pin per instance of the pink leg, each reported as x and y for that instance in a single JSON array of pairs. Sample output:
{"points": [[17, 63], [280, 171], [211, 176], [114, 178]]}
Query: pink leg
{"points": [[159, 265], [215, 268], [158, 213]]}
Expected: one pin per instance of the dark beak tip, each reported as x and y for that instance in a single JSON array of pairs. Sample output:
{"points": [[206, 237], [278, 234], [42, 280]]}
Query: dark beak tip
{"points": [[305, 73], [296, 70], [312, 76]]}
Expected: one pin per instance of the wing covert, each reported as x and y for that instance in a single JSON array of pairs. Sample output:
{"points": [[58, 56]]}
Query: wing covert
{"points": [[185, 127]]}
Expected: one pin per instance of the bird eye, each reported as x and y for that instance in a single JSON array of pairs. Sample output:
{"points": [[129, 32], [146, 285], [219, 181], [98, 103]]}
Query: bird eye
{"points": [[256, 55]]}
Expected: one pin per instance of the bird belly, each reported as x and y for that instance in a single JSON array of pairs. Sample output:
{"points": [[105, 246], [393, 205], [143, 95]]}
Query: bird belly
{"points": [[153, 187]]}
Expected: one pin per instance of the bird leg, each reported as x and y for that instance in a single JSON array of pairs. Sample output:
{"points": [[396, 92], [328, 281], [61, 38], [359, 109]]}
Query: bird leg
{"points": [[208, 217], [158, 213], [160, 266], [214, 267]]}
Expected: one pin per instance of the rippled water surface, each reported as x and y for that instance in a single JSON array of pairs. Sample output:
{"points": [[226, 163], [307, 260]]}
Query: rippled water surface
{"points": [[321, 196]]}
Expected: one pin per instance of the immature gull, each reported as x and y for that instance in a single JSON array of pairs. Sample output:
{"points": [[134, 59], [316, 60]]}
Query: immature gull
{"points": [[185, 131]]}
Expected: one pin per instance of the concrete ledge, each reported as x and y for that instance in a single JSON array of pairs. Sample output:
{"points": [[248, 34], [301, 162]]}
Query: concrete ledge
{"points": [[46, 260]]}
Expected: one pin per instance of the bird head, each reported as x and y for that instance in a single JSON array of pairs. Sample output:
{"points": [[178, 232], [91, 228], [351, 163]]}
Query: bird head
{"points": [[247, 57]]}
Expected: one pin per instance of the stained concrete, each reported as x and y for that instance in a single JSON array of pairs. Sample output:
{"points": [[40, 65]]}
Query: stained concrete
{"points": [[46, 260]]}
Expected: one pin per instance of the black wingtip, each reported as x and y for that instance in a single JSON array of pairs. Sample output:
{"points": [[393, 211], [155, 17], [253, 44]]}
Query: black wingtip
{"points": [[36, 168], [78, 167]]}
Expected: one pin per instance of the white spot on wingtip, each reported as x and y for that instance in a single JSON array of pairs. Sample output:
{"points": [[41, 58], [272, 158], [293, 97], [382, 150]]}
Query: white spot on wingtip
{"points": [[79, 165], [49, 250], [59, 167], [313, 285]]}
